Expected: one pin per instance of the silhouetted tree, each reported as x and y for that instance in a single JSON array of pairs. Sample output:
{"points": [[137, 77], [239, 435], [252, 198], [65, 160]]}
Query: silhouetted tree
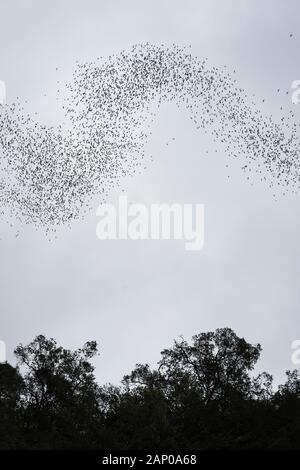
{"points": [[60, 394], [202, 395], [11, 387], [203, 385]]}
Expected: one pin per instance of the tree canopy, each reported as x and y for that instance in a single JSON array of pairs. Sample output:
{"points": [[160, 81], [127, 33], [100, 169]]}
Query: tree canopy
{"points": [[202, 395]]}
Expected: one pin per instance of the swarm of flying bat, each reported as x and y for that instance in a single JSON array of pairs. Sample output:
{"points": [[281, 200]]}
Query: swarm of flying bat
{"points": [[49, 175]]}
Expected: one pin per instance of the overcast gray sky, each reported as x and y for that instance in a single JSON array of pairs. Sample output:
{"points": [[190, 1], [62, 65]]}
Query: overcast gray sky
{"points": [[134, 298]]}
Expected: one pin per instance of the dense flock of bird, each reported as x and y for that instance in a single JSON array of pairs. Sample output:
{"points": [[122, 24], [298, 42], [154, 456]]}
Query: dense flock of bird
{"points": [[49, 175]]}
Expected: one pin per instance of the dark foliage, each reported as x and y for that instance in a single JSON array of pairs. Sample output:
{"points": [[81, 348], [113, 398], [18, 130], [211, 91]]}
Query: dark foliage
{"points": [[202, 395]]}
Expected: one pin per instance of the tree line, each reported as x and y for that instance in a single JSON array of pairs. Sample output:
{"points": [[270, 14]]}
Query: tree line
{"points": [[201, 395]]}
